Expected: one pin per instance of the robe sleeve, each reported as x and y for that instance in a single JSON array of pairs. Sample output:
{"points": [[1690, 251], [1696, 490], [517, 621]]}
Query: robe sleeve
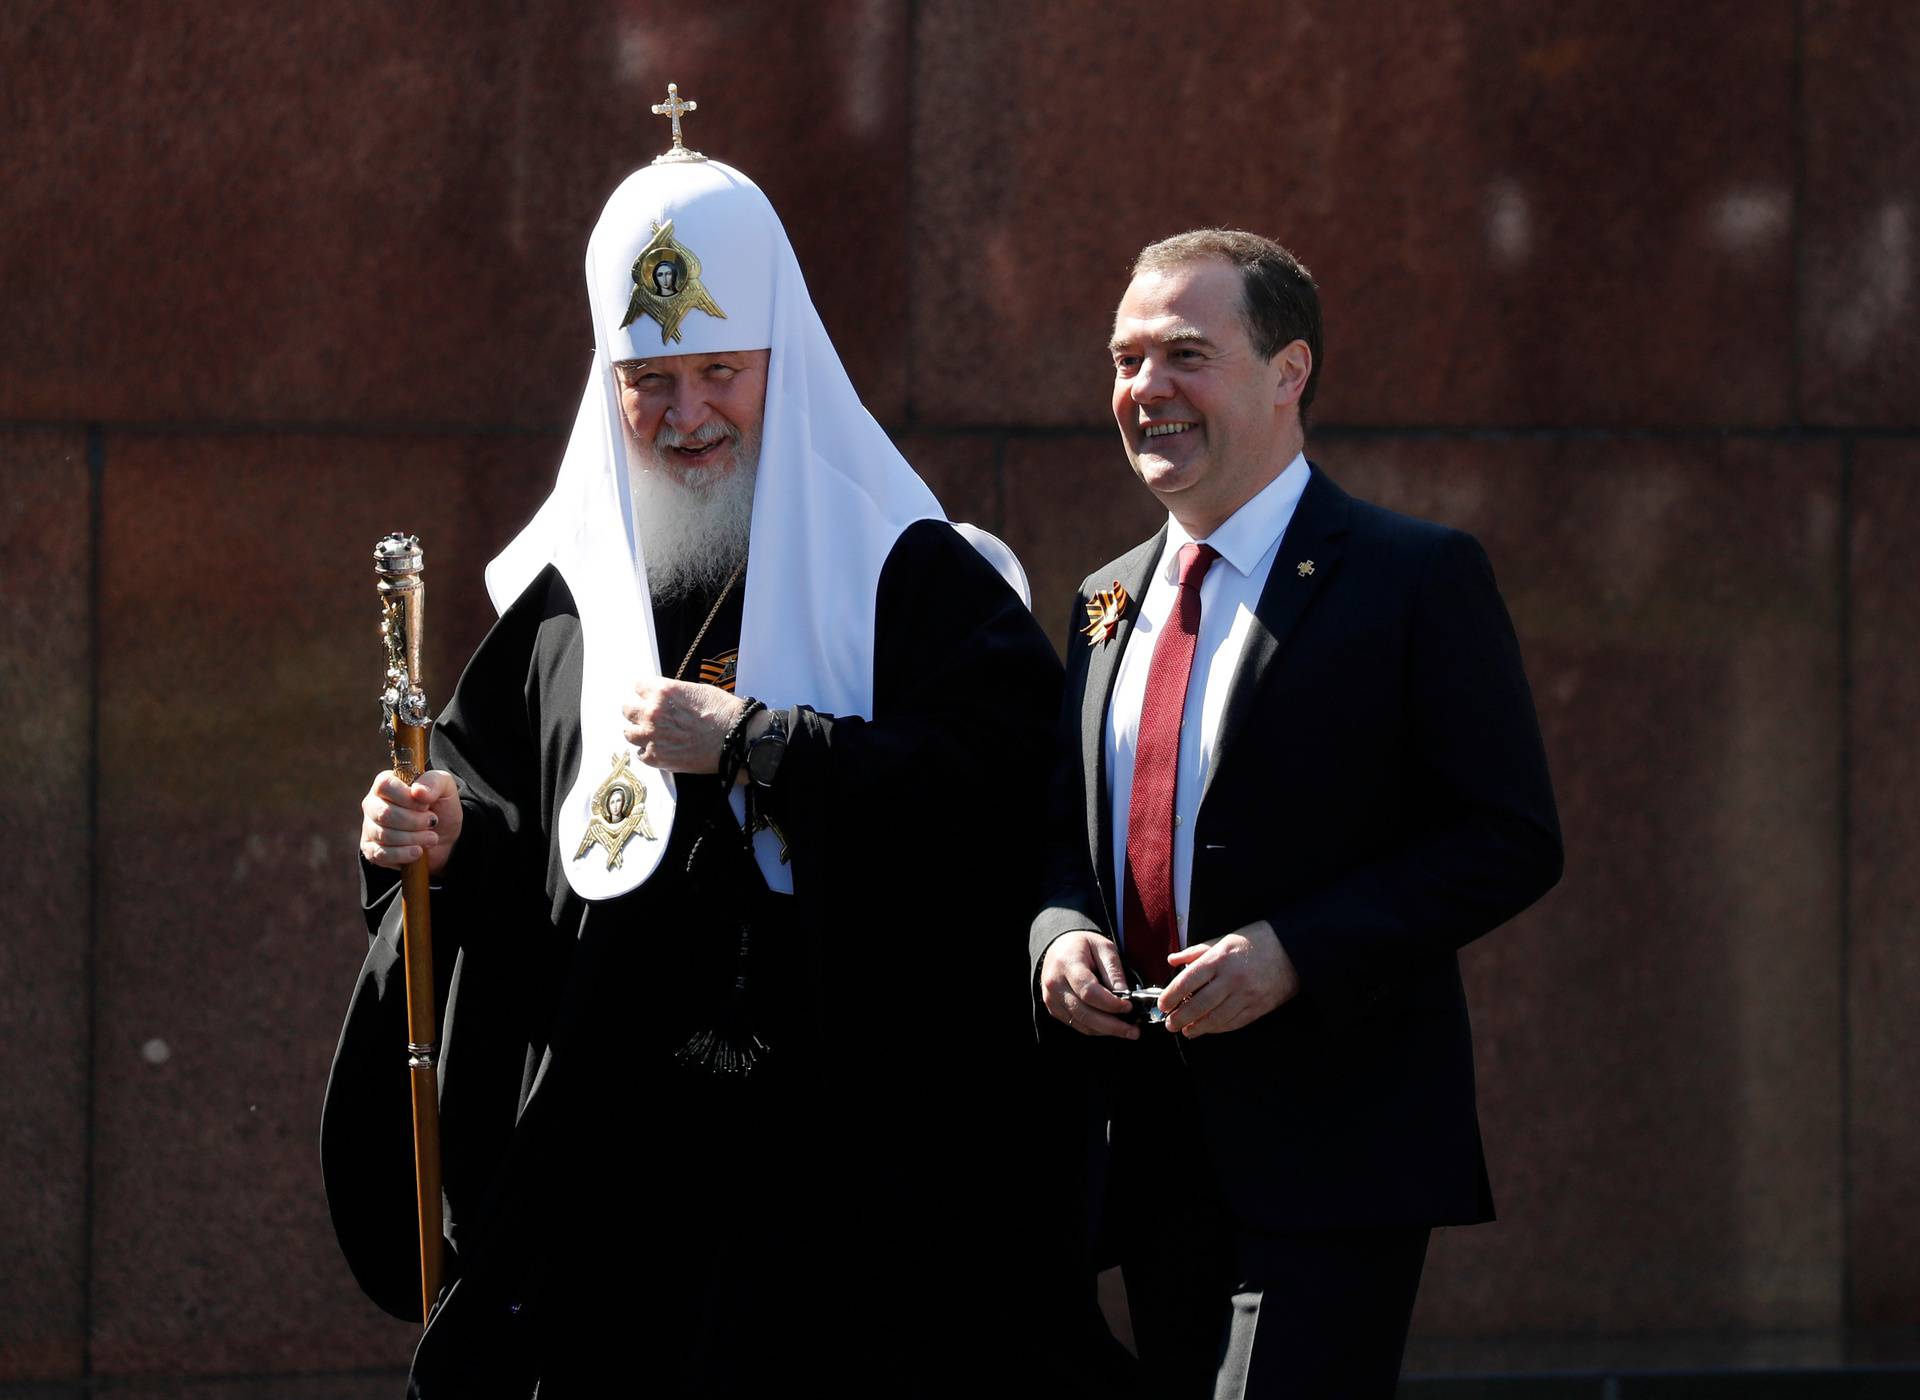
{"points": [[916, 849], [934, 804], [366, 1127]]}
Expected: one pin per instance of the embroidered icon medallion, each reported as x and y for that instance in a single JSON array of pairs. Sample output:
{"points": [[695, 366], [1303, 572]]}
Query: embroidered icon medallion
{"points": [[1104, 611], [619, 808], [667, 286]]}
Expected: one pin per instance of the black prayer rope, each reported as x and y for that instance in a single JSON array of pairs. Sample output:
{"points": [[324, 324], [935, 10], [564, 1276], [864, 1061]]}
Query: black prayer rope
{"points": [[733, 747], [730, 1047]]}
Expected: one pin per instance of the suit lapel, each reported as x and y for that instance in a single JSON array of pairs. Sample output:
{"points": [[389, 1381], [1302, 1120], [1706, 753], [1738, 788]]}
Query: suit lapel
{"points": [[1307, 557], [1132, 571]]}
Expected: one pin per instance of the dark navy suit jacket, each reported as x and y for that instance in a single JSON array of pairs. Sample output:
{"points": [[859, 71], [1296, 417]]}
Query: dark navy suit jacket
{"points": [[1379, 792]]}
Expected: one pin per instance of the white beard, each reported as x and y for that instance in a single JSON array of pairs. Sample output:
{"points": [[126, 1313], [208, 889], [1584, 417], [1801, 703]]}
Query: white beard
{"points": [[693, 526]]}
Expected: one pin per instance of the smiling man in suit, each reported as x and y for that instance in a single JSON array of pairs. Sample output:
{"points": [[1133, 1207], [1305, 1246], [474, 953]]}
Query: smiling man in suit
{"points": [[1300, 769]]}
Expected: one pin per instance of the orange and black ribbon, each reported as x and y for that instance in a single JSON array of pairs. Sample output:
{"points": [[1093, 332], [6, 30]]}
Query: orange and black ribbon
{"points": [[1104, 611]]}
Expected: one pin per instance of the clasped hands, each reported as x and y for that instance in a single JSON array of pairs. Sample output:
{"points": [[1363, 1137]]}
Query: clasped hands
{"points": [[1221, 986], [677, 726]]}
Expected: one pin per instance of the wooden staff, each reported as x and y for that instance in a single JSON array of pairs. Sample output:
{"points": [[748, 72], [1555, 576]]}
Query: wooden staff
{"points": [[398, 562]]}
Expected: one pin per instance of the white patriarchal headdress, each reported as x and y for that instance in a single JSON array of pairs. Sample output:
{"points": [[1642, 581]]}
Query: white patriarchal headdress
{"points": [[833, 493]]}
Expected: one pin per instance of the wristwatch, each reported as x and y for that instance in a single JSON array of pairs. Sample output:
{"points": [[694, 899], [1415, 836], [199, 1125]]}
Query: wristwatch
{"points": [[764, 753]]}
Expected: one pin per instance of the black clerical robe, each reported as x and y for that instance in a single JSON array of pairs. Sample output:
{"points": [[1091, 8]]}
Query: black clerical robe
{"points": [[616, 1218]]}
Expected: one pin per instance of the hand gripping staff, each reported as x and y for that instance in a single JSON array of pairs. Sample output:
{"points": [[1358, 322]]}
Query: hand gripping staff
{"points": [[398, 562]]}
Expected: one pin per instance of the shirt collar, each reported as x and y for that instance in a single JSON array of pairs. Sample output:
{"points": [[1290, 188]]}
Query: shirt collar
{"points": [[1244, 538]]}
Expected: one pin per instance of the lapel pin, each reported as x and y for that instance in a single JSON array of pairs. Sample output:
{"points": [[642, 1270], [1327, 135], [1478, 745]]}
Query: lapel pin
{"points": [[1304, 568], [1104, 610]]}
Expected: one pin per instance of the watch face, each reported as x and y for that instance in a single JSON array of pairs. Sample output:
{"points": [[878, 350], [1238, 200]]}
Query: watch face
{"points": [[764, 754]]}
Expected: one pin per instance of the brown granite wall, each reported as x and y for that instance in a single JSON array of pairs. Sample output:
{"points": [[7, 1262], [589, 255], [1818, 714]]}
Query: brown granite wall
{"points": [[1628, 289]]}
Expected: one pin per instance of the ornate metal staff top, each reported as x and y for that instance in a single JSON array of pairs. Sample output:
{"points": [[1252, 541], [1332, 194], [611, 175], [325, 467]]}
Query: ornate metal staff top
{"points": [[398, 561], [675, 108]]}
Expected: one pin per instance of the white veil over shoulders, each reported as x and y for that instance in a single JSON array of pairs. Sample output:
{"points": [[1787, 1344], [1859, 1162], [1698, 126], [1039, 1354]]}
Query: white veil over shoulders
{"points": [[832, 497]]}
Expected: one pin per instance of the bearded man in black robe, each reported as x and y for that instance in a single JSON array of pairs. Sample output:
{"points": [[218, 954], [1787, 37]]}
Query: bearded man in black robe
{"points": [[729, 826]]}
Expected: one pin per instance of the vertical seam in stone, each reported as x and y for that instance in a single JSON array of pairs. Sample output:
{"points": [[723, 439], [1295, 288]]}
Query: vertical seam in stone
{"points": [[1845, 629], [1000, 484], [1796, 394], [911, 127], [96, 476]]}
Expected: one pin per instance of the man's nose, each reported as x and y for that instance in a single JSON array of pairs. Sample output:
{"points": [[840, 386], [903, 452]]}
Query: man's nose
{"points": [[689, 408], [1150, 382]]}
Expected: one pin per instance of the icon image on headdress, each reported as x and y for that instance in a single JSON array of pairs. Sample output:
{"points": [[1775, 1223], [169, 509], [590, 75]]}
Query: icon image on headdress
{"points": [[618, 810], [667, 286], [665, 277]]}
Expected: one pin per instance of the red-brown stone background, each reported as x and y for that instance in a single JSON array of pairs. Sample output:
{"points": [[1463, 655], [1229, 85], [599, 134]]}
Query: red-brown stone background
{"points": [[1630, 289]]}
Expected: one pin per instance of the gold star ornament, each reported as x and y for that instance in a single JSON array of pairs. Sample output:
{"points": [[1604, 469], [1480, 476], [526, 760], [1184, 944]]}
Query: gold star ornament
{"points": [[619, 808], [667, 286]]}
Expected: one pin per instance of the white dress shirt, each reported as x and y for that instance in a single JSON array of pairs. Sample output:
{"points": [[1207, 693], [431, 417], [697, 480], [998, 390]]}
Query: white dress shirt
{"points": [[1247, 542]]}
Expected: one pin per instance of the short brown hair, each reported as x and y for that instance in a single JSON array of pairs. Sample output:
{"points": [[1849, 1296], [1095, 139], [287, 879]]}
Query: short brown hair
{"points": [[1279, 301]]}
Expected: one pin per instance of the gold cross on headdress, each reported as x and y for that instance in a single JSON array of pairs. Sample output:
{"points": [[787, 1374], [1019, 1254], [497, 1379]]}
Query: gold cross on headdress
{"points": [[675, 108]]}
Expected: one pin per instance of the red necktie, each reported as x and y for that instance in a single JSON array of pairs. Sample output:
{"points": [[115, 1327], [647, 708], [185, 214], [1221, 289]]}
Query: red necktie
{"points": [[1152, 933]]}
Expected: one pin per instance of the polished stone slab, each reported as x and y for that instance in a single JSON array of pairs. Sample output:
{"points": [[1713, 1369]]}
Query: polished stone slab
{"points": [[1755, 1354], [1806, 1386], [350, 1386], [1516, 217], [963, 470], [46, 868], [1859, 350], [1882, 953], [1659, 1040], [240, 669], [357, 213]]}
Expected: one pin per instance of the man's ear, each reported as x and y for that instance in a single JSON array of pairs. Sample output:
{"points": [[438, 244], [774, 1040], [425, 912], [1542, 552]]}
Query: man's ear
{"points": [[1294, 364]]}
